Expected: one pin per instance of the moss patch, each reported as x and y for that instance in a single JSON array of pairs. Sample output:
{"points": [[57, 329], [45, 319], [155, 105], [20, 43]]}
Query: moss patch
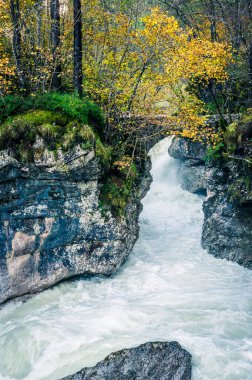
{"points": [[82, 110], [117, 189], [105, 153], [19, 133], [115, 195], [238, 132], [63, 121], [240, 191]]}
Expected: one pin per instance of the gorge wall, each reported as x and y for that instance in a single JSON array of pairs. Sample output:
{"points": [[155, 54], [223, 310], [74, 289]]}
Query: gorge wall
{"points": [[52, 226], [227, 184]]}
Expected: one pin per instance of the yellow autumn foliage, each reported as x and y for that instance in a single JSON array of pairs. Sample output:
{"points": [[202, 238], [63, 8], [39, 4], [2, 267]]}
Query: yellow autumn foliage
{"points": [[7, 69], [131, 67]]}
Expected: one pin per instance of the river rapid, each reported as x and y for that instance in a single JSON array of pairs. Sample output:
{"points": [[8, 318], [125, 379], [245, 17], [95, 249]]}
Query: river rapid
{"points": [[169, 289]]}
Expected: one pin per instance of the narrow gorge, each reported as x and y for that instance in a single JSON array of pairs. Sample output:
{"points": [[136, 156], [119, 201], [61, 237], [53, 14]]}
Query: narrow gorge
{"points": [[169, 289], [125, 190]]}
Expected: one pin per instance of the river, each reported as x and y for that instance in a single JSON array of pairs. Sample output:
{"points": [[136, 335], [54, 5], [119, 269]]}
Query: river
{"points": [[169, 289]]}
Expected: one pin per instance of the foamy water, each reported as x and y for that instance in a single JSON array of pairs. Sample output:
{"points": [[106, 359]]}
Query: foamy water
{"points": [[169, 289]]}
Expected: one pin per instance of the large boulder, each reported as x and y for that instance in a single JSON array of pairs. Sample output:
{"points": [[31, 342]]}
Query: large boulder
{"points": [[150, 361], [52, 226]]}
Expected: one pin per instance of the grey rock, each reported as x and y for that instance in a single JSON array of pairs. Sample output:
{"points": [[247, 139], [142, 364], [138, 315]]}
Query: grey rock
{"points": [[193, 178], [186, 149], [52, 226], [227, 228], [150, 361], [192, 168]]}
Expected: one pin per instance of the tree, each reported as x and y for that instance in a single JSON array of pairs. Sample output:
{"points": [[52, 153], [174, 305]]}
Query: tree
{"points": [[16, 41], [224, 21], [77, 55], [131, 68], [131, 61], [55, 41]]}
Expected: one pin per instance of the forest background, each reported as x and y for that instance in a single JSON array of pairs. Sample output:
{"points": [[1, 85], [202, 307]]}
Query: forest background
{"points": [[182, 59]]}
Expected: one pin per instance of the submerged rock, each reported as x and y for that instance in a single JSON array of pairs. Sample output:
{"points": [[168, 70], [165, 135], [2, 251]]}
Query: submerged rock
{"points": [[150, 361], [52, 226], [227, 228]]}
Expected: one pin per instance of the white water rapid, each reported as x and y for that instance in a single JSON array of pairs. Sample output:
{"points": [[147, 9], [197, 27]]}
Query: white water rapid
{"points": [[169, 289]]}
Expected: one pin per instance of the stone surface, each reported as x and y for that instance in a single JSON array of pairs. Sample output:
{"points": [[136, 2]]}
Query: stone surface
{"points": [[192, 168], [150, 361], [192, 177], [51, 225], [186, 149], [227, 228]]}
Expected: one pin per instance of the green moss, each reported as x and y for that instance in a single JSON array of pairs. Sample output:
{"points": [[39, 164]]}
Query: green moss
{"points": [[104, 152], [115, 194], [82, 110], [76, 133], [117, 190], [20, 132], [238, 132], [240, 191], [214, 153]]}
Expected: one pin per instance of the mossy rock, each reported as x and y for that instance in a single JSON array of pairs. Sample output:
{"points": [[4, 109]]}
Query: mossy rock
{"points": [[240, 191], [19, 133], [115, 194], [117, 189], [238, 133], [72, 107]]}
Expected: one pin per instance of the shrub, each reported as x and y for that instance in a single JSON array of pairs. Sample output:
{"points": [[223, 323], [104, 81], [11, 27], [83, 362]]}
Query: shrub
{"points": [[104, 152], [117, 189], [214, 153], [115, 194]]}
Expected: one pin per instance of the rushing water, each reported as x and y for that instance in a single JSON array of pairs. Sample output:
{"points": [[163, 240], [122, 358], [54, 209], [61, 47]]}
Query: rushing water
{"points": [[169, 289]]}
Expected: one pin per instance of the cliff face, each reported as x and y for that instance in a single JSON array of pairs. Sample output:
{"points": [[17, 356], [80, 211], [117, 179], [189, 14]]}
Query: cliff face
{"points": [[51, 225], [227, 229]]}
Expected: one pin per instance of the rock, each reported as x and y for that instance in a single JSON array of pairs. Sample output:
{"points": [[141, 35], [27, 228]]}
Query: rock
{"points": [[192, 178], [192, 168], [52, 226], [150, 361], [186, 149], [227, 228]]}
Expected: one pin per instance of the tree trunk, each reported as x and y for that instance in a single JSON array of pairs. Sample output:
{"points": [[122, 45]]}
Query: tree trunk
{"points": [[16, 41], [78, 72], [39, 9], [213, 22], [55, 40], [250, 70]]}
